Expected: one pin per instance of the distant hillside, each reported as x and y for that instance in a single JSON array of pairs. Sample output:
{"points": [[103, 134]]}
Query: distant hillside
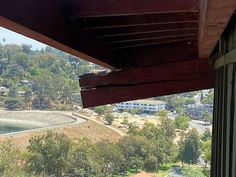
{"points": [[43, 79]]}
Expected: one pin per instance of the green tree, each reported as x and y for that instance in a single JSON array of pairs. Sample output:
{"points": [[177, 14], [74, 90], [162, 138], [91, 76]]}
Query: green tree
{"points": [[28, 98], [176, 103], [125, 121], [135, 149], [9, 159], [4, 62], [189, 101], [11, 49], [80, 163], [206, 149], [35, 71], [207, 135], [182, 122], [136, 163], [133, 111], [209, 98], [150, 164], [26, 48], [107, 157], [13, 103], [133, 130], [44, 89], [207, 117], [109, 118], [12, 92], [22, 59], [48, 154], [190, 147], [164, 139], [101, 110], [163, 113], [14, 71]]}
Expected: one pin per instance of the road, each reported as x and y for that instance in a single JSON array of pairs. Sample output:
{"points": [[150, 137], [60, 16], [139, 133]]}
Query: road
{"points": [[175, 172], [199, 125]]}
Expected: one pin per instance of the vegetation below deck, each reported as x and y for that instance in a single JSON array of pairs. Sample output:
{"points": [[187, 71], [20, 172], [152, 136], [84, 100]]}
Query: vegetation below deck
{"points": [[153, 149]]}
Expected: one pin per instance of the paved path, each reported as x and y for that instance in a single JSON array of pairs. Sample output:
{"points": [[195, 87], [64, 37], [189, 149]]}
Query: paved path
{"points": [[143, 174], [175, 172], [199, 125]]}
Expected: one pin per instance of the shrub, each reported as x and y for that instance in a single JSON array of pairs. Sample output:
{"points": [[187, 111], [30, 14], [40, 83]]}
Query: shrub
{"points": [[13, 103], [109, 118]]}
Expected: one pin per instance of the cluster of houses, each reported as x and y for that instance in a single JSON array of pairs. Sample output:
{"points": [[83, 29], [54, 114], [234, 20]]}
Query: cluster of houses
{"points": [[195, 111], [5, 90]]}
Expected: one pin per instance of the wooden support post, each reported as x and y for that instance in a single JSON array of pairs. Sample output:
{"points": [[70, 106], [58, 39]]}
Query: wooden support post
{"points": [[224, 124]]}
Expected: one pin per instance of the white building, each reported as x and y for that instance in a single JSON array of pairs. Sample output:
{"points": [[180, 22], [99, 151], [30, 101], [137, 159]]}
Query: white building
{"points": [[145, 105]]}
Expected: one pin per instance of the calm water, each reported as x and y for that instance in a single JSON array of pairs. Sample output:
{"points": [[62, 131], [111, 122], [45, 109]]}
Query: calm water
{"points": [[12, 128]]}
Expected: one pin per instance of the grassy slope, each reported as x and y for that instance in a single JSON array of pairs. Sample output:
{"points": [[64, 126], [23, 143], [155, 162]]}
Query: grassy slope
{"points": [[90, 130]]}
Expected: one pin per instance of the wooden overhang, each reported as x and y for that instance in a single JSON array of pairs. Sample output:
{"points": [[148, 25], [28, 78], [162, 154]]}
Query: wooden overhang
{"points": [[153, 47]]}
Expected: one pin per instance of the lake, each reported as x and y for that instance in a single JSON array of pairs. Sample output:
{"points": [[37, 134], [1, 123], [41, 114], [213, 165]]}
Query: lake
{"points": [[10, 126]]}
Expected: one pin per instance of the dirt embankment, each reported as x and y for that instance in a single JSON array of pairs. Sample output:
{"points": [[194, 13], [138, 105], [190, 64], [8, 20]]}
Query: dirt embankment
{"points": [[90, 130]]}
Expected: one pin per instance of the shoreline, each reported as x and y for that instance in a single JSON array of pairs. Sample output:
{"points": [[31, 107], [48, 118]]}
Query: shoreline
{"points": [[69, 120]]}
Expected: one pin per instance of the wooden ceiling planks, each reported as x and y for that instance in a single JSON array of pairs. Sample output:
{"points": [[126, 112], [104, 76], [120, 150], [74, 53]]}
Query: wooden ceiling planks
{"points": [[160, 54], [98, 8], [121, 31], [82, 26], [128, 29], [136, 35], [47, 19], [214, 17], [137, 20], [115, 38]]}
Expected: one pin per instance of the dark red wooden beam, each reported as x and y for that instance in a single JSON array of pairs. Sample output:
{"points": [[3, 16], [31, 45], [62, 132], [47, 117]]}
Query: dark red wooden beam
{"points": [[147, 74], [98, 8], [147, 24], [146, 82], [136, 20], [152, 38], [110, 95], [152, 42], [149, 34], [108, 32]]}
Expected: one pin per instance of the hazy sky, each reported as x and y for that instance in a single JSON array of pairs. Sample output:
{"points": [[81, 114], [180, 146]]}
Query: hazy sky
{"points": [[15, 38]]}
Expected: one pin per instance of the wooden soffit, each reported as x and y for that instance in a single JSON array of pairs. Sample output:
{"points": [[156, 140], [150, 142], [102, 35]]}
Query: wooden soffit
{"points": [[150, 46], [214, 17]]}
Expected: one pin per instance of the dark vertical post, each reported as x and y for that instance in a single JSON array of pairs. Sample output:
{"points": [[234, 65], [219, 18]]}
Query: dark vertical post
{"points": [[224, 126]]}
